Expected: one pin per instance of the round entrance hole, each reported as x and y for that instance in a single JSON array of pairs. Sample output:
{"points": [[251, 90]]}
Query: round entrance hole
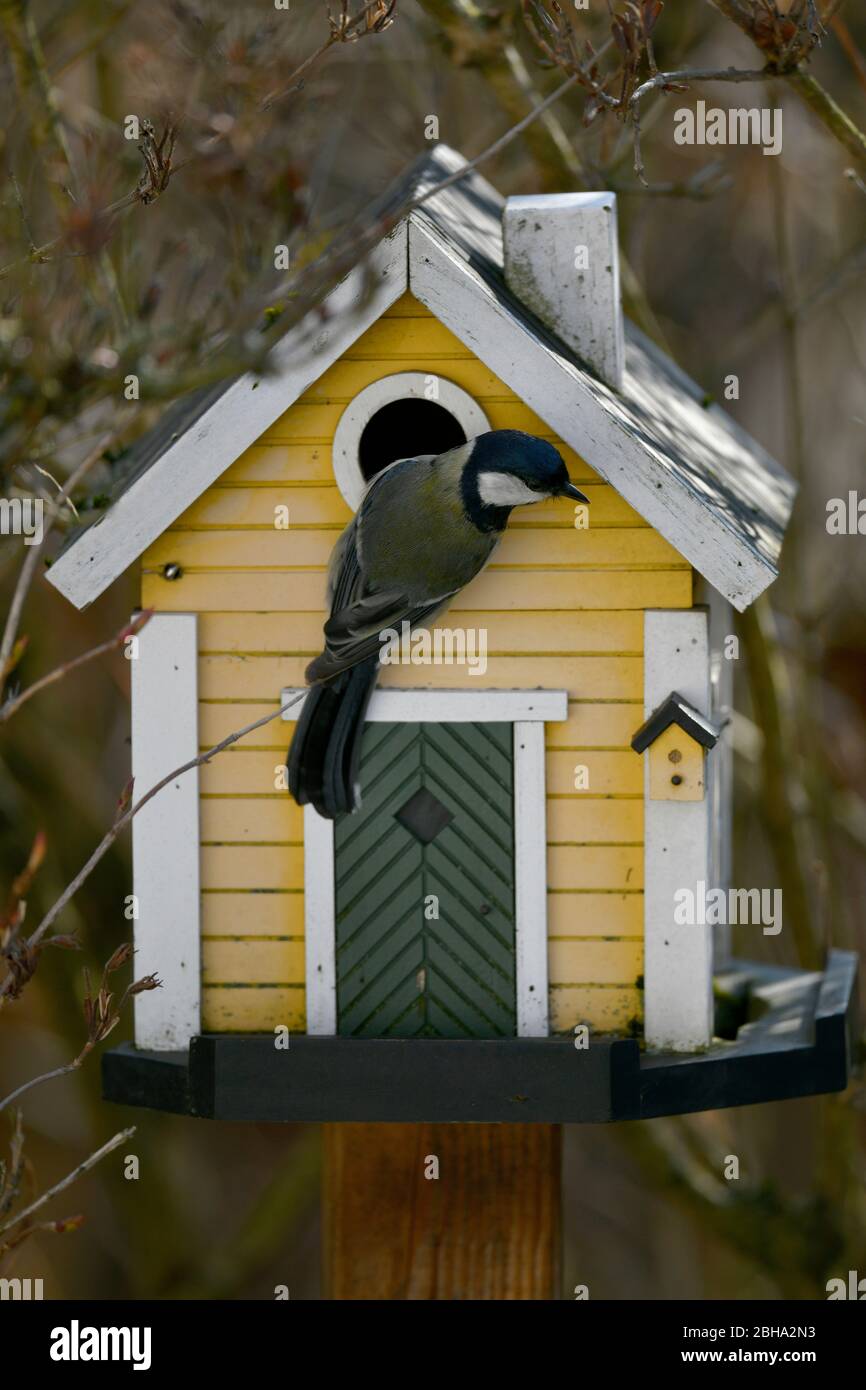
{"points": [[404, 428]]}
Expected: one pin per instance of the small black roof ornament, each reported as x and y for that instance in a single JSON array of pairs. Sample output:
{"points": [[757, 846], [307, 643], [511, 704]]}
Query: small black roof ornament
{"points": [[676, 710]]}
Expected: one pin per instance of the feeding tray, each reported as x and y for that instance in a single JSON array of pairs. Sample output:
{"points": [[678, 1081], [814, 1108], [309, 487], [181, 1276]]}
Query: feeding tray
{"points": [[799, 1041]]}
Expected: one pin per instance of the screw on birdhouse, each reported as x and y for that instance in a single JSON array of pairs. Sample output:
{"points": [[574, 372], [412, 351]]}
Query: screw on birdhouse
{"points": [[172, 571], [675, 756]]}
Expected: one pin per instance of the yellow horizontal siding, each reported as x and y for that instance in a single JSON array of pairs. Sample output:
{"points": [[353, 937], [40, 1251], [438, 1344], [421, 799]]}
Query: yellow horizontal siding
{"points": [[252, 962], [419, 335], [275, 819], [251, 820], [408, 307], [580, 820], [280, 866], [252, 1008], [569, 914], [264, 465], [595, 866], [515, 633], [562, 608], [314, 421], [596, 725], [606, 1008], [594, 914], [241, 771], [246, 914], [599, 962], [496, 589], [312, 505], [601, 547], [608, 772], [346, 378], [252, 867]]}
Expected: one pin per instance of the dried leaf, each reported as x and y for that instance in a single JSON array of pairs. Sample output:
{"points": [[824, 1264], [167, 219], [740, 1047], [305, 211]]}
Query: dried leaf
{"points": [[651, 11], [121, 956], [145, 983], [67, 942]]}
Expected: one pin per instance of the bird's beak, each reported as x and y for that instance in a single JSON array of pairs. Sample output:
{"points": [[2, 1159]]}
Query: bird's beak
{"points": [[571, 491]]}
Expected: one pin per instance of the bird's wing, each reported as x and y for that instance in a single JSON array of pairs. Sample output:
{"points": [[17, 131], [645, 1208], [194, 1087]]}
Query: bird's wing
{"points": [[354, 633], [345, 580], [344, 569], [376, 580]]}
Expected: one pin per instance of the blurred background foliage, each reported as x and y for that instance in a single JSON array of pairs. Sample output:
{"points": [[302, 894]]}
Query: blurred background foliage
{"points": [[734, 262]]}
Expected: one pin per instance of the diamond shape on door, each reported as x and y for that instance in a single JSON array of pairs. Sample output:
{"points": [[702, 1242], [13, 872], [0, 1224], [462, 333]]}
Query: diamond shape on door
{"points": [[424, 816]]}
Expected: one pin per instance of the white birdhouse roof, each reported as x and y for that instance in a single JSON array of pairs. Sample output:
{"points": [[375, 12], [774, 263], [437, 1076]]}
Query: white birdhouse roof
{"points": [[690, 471]]}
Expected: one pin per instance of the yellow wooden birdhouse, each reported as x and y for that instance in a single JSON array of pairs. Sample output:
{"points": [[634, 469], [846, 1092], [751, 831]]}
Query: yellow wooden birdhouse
{"points": [[493, 935]]}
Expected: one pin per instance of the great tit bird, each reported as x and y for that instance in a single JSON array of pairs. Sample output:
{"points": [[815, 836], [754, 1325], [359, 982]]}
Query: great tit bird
{"points": [[425, 527]]}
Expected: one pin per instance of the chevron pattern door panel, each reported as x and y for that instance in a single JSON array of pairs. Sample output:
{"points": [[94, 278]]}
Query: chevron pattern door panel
{"points": [[425, 885]]}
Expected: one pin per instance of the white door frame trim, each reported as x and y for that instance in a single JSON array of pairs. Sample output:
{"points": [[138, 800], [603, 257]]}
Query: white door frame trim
{"points": [[527, 711]]}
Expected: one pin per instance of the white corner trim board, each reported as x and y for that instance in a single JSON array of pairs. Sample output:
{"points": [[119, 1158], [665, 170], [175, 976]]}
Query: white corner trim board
{"points": [[527, 710], [678, 959], [400, 386], [165, 833], [234, 422]]}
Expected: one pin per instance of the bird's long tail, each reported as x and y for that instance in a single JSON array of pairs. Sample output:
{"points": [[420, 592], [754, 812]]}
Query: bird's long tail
{"points": [[325, 754]]}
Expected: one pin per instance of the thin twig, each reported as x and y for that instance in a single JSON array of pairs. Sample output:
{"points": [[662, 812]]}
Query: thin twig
{"points": [[37, 1081], [829, 112], [14, 703], [147, 190], [31, 561], [83, 1167], [785, 59], [492, 149], [122, 821], [676, 81]]}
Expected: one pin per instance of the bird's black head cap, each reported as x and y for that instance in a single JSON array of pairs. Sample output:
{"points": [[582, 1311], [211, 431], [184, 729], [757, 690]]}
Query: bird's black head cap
{"points": [[534, 462]]}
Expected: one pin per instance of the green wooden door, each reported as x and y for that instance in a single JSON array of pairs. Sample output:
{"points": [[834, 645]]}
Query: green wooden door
{"points": [[425, 885]]}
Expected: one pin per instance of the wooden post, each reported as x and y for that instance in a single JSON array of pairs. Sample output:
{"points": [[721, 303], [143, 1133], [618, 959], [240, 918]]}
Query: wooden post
{"points": [[488, 1227]]}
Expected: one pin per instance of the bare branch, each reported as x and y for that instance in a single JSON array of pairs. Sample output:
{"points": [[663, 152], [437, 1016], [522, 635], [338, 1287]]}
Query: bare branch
{"points": [[677, 82], [828, 111], [101, 1015], [31, 562], [788, 41], [83, 1167], [493, 149], [123, 820], [37, 1081], [14, 703], [373, 18]]}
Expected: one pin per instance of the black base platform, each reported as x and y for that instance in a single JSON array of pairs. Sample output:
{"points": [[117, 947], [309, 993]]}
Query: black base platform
{"points": [[800, 1041]]}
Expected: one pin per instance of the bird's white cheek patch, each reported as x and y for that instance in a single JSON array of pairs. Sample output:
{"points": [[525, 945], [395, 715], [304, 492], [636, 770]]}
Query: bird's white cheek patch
{"points": [[504, 490]]}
